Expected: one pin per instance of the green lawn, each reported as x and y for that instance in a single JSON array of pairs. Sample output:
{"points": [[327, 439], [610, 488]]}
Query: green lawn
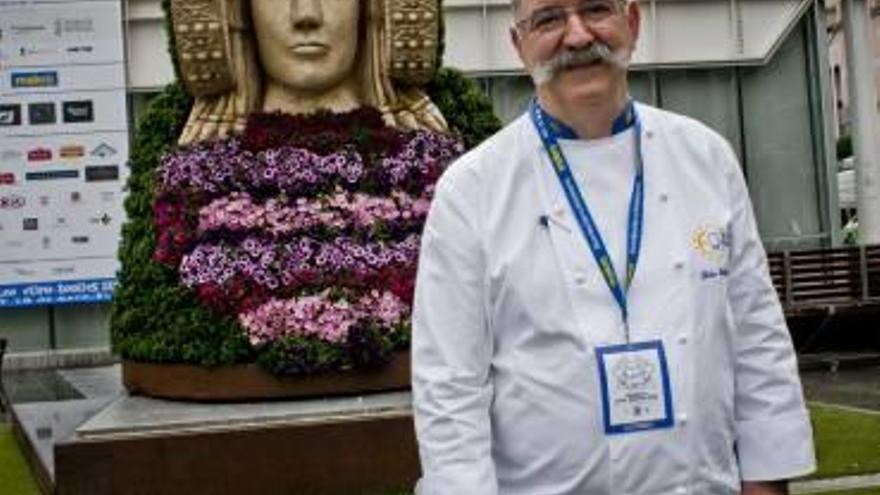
{"points": [[864, 491], [847, 443], [15, 477]]}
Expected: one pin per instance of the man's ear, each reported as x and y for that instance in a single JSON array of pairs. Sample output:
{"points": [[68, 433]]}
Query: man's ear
{"points": [[634, 20], [516, 40]]}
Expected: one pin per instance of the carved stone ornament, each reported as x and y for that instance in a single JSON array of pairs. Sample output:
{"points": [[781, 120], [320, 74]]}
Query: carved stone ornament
{"points": [[413, 33], [202, 29]]}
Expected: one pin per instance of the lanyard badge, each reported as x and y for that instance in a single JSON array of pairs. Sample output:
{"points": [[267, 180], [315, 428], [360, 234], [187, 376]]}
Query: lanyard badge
{"points": [[634, 377]]}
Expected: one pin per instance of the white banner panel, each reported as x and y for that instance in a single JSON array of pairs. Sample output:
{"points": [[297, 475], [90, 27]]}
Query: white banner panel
{"points": [[63, 150]]}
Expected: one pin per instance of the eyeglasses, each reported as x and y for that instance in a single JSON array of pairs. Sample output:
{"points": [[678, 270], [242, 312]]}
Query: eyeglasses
{"points": [[554, 19]]}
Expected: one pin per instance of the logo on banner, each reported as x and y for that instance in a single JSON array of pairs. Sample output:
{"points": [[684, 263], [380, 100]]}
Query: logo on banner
{"points": [[76, 112], [10, 115], [103, 150], [86, 25], [104, 220], [7, 178], [42, 113], [102, 173], [80, 49], [51, 175], [12, 202], [30, 224], [39, 155], [26, 28], [11, 155], [38, 79], [71, 152]]}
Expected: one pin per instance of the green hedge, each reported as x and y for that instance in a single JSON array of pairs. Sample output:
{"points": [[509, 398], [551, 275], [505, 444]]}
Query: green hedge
{"points": [[154, 319]]}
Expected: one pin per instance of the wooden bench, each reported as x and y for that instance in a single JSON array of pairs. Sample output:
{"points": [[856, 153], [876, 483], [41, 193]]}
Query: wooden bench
{"points": [[827, 281]]}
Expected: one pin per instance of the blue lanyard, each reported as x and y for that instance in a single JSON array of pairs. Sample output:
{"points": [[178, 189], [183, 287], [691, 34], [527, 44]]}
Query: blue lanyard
{"points": [[551, 131]]}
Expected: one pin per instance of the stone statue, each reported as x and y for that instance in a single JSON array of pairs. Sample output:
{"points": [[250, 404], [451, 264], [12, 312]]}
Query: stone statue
{"points": [[298, 56]]}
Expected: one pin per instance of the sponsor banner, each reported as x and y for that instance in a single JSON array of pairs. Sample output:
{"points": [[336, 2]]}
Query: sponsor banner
{"points": [[59, 32], [59, 113], [62, 78], [56, 293], [51, 175], [10, 115], [31, 80], [63, 149]]}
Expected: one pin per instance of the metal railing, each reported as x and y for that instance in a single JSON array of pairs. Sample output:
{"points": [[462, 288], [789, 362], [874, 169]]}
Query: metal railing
{"points": [[827, 280]]}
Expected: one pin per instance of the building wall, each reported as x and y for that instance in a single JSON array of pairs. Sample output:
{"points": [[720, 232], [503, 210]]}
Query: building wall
{"points": [[837, 60]]}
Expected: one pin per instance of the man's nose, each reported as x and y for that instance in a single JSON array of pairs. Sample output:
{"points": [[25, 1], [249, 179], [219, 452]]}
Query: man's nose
{"points": [[306, 14], [577, 32]]}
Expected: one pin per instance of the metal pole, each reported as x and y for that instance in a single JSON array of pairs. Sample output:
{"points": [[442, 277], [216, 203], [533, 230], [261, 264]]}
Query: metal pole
{"points": [[863, 109]]}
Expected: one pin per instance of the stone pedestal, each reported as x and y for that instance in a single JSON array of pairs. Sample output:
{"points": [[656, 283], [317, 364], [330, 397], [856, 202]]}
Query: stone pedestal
{"points": [[343, 445]]}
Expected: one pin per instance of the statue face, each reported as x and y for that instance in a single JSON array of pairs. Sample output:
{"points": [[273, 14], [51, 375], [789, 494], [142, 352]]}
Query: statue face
{"points": [[307, 45]]}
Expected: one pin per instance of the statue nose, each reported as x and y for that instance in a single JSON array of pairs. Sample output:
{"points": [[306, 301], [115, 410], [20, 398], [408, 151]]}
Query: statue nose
{"points": [[306, 14]]}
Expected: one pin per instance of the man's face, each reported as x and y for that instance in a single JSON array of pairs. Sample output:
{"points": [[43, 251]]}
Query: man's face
{"points": [[586, 22], [307, 45]]}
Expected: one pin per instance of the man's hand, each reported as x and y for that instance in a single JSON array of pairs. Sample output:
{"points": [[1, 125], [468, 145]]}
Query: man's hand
{"points": [[765, 488]]}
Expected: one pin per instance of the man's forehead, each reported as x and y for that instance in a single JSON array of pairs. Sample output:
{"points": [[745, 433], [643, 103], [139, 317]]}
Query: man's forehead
{"points": [[532, 5]]}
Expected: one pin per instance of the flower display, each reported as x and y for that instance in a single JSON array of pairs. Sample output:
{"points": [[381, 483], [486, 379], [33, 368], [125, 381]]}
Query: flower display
{"points": [[305, 230]]}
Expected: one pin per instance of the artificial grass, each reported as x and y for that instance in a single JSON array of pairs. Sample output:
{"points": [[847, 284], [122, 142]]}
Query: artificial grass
{"points": [[15, 475], [847, 442], [863, 491]]}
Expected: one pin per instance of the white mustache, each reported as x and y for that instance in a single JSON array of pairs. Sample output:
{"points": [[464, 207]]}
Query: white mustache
{"points": [[545, 71]]}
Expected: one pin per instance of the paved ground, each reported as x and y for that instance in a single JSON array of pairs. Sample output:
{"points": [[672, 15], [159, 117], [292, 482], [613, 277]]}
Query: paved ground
{"points": [[859, 387], [52, 404]]}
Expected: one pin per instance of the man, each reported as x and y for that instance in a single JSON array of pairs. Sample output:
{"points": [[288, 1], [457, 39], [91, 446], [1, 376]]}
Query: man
{"points": [[669, 370]]}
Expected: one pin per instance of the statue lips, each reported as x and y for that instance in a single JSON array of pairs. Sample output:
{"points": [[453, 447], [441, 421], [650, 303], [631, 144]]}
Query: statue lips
{"points": [[310, 49]]}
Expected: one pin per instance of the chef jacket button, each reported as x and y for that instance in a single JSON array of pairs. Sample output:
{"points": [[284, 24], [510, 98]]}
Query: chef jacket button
{"points": [[679, 265], [682, 338], [580, 279], [649, 134], [664, 198], [682, 419]]}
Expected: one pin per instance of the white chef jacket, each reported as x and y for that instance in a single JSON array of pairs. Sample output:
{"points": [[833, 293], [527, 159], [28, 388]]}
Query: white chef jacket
{"points": [[510, 308]]}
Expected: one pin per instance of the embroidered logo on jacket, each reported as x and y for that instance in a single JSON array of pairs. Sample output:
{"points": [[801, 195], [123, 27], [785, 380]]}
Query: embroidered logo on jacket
{"points": [[712, 244]]}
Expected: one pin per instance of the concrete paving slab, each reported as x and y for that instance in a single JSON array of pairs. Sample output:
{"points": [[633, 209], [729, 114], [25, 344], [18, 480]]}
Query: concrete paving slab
{"points": [[141, 415], [46, 423]]}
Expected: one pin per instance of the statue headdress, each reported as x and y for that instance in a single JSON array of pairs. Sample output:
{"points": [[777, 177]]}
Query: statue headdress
{"points": [[218, 62]]}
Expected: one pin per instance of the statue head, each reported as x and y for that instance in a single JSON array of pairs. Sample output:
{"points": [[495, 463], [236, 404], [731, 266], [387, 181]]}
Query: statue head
{"points": [[299, 56]]}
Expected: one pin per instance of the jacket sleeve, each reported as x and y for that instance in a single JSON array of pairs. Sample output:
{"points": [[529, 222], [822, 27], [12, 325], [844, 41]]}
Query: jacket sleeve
{"points": [[452, 348], [773, 433]]}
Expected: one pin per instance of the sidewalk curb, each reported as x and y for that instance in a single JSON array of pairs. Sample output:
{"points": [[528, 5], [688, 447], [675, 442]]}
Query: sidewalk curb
{"points": [[835, 484]]}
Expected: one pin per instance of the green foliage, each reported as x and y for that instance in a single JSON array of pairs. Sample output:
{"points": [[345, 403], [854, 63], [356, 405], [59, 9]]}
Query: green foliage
{"points": [[154, 319], [844, 147], [466, 108]]}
